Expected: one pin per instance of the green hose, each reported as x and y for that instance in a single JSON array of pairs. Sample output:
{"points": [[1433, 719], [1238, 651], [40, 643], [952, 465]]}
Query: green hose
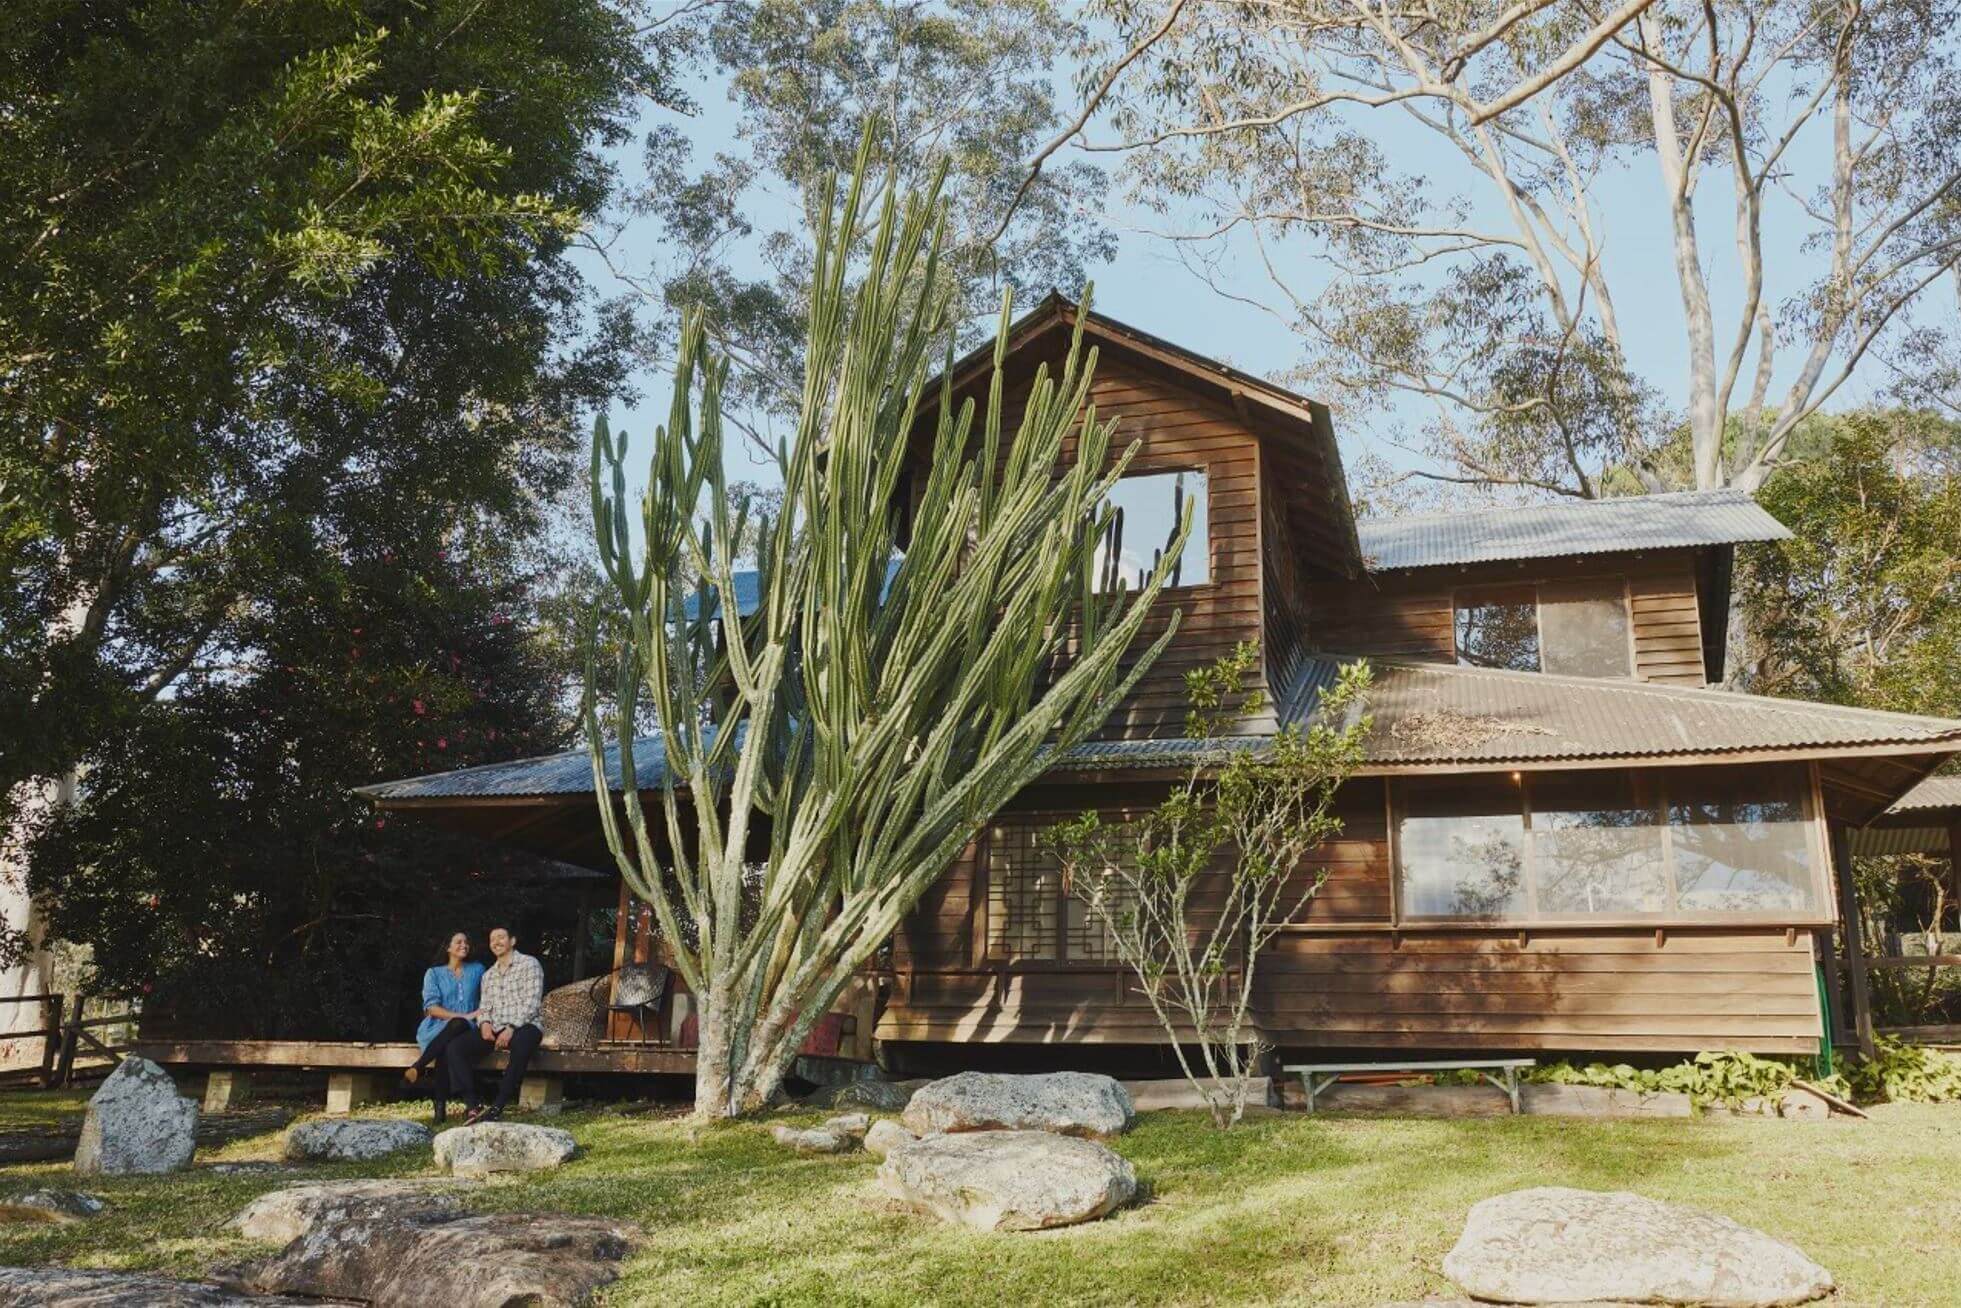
{"points": [[1823, 1062]]}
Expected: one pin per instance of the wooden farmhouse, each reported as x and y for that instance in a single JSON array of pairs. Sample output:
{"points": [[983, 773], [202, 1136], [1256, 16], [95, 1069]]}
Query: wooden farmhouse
{"points": [[1566, 836]]}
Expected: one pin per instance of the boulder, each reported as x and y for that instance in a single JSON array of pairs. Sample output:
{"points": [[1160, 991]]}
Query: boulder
{"points": [[137, 1123], [485, 1261], [1551, 1244], [353, 1139], [50, 1206], [815, 1140], [884, 1136], [879, 1096], [65, 1287], [280, 1216], [1008, 1180], [852, 1124], [503, 1147], [1068, 1103]]}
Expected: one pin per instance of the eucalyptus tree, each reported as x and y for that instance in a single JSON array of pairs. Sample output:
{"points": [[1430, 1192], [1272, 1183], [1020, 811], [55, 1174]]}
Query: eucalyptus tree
{"points": [[926, 632], [1484, 292]]}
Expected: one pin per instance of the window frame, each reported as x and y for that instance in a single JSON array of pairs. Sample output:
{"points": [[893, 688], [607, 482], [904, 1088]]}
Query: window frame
{"points": [[1134, 472], [983, 898], [1458, 594], [1816, 845]]}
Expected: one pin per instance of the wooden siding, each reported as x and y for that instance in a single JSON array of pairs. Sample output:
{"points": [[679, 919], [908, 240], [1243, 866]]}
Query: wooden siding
{"points": [[1409, 614]]}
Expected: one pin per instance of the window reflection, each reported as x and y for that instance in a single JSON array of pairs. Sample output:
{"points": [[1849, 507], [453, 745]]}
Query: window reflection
{"points": [[1597, 844], [1463, 849], [1584, 626], [1741, 845], [1498, 629]]}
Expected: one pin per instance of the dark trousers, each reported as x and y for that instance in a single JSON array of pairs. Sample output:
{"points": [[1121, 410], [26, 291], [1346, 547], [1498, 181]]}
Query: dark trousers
{"points": [[433, 1055], [460, 1060]]}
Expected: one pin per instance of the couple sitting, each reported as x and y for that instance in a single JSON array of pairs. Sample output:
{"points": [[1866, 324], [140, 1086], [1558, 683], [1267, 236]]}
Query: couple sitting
{"points": [[468, 1008]]}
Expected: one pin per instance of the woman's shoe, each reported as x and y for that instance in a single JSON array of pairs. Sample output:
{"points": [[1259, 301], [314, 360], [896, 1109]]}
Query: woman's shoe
{"points": [[412, 1075]]}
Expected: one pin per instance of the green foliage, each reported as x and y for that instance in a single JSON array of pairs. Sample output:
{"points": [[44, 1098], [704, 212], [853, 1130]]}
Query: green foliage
{"points": [[1902, 1073], [1726, 1077], [901, 676]]}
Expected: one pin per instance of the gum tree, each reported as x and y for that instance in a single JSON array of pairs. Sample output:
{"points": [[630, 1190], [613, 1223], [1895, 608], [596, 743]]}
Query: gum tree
{"points": [[926, 631]]}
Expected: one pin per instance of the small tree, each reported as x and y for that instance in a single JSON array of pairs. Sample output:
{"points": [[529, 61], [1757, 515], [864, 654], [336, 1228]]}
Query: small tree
{"points": [[924, 634], [1237, 827]]}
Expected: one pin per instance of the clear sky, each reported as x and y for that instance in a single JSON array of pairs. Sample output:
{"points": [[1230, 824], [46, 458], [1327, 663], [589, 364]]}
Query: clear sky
{"points": [[1147, 286]]}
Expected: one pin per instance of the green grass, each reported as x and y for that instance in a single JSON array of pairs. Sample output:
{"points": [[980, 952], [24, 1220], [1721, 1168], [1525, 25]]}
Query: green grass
{"points": [[1324, 1210]]}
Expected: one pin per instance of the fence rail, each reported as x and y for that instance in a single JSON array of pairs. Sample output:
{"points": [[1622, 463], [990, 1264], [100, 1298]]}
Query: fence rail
{"points": [[67, 1034]]}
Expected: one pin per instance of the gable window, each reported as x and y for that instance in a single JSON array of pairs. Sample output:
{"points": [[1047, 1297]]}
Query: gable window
{"points": [[1030, 917], [1695, 843], [1149, 508], [1577, 628]]}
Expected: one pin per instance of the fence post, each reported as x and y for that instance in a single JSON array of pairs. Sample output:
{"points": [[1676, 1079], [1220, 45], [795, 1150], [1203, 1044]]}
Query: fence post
{"points": [[71, 1035], [53, 1009]]}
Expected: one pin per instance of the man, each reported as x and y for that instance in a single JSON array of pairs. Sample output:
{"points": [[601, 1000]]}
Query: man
{"points": [[513, 988]]}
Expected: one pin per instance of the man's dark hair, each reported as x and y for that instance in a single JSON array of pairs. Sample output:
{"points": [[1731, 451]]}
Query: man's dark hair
{"points": [[506, 930]]}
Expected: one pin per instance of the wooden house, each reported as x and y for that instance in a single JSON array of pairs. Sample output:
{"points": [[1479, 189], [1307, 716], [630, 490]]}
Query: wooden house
{"points": [[1566, 837]]}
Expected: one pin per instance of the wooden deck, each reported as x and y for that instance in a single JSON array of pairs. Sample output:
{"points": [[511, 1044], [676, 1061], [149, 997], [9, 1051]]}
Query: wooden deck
{"points": [[354, 1055]]}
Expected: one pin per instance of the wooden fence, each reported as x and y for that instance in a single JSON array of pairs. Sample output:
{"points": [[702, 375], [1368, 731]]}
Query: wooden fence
{"points": [[74, 1045]]}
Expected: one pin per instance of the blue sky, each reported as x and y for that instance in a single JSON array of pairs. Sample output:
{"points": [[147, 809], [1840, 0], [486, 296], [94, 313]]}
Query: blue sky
{"points": [[1147, 286]]}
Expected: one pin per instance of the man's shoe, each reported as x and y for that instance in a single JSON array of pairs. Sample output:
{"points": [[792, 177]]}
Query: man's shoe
{"points": [[442, 1110]]}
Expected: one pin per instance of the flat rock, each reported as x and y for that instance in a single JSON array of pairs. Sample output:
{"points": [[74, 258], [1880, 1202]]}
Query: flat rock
{"points": [[51, 1206], [353, 1139], [813, 1140], [880, 1096], [63, 1287], [1551, 1244], [1008, 1180], [503, 1147], [280, 1216], [886, 1135], [254, 1167], [137, 1124], [486, 1261], [852, 1124], [1068, 1103]]}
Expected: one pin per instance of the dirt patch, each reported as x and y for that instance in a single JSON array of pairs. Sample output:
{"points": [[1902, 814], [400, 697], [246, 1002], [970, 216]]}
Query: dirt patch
{"points": [[1441, 730]]}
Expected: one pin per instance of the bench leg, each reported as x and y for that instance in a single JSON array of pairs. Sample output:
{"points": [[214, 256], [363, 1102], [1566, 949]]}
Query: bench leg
{"points": [[347, 1091], [226, 1089], [542, 1094]]}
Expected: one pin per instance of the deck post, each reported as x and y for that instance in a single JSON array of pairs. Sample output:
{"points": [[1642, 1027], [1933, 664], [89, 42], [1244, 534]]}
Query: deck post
{"points": [[1855, 945], [227, 1088], [542, 1094], [347, 1091]]}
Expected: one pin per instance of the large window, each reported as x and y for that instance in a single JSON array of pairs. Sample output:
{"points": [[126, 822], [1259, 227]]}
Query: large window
{"points": [[1579, 628], [1030, 917], [1149, 508], [1681, 843]]}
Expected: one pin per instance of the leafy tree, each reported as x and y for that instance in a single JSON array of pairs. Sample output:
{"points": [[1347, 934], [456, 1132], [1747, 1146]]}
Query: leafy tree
{"points": [[1481, 291], [1191, 891], [824, 758], [963, 81]]}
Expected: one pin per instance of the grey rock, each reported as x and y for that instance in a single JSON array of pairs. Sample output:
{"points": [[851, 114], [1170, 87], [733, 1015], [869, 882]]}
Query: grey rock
{"points": [[353, 1139], [280, 1216], [1008, 1180], [503, 1147], [137, 1124], [51, 1206], [879, 1096], [886, 1135], [485, 1261], [813, 1140], [1068, 1103], [1551, 1244], [852, 1124], [65, 1287]]}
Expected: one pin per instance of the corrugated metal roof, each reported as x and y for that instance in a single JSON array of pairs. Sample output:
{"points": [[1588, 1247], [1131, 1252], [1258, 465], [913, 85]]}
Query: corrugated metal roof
{"points": [[1875, 840], [1611, 526], [1934, 792], [1434, 713]]}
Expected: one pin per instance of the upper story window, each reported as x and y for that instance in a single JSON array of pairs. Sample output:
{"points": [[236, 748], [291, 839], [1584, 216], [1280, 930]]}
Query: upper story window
{"points": [[1579, 628], [1150, 506], [1688, 843]]}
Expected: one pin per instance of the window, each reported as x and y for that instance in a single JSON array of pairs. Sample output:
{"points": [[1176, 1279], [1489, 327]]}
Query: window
{"points": [[1684, 843], [1030, 917], [1578, 628], [1498, 629], [1149, 509]]}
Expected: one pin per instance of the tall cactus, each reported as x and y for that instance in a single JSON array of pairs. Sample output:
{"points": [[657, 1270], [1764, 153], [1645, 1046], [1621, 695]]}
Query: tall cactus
{"points": [[926, 630]]}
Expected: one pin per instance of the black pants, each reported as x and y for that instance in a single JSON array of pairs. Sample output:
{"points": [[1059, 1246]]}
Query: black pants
{"points": [[433, 1055], [460, 1060]]}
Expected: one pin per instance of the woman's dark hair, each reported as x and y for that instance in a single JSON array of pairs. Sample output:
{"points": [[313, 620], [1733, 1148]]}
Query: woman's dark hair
{"points": [[442, 950]]}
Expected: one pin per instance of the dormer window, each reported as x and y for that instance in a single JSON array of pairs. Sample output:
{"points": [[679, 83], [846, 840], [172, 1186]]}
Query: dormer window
{"points": [[1575, 628], [1150, 507]]}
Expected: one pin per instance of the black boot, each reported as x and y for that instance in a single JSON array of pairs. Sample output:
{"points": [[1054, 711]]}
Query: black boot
{"points": [[442, 1105]]}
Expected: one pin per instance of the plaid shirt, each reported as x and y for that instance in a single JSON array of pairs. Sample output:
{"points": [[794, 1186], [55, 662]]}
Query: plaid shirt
{"points": [[512, 991]]}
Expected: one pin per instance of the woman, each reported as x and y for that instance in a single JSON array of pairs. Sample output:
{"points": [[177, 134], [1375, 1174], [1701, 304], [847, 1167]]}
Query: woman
{"points": [[449, 1008]]}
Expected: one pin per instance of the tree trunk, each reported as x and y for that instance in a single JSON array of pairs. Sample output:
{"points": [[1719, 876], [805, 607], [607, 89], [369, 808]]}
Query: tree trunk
{"points": [[715, 1087]]}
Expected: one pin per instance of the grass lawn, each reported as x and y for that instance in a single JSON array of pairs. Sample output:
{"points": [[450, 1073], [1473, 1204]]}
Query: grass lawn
{"points": [[1320, 1210]]}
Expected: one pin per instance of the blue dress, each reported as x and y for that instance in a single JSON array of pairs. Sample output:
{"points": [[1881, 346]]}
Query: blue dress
{"points": [[446, 989]]}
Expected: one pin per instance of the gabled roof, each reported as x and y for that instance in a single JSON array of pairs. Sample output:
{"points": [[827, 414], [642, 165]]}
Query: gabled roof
{"points": [[1538, 531], [1437, 715], [1933, 793]]}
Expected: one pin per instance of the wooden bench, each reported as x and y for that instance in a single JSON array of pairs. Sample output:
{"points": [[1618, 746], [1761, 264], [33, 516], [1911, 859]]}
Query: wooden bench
{"points": [[1488, 1068], [358, 1071]]}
